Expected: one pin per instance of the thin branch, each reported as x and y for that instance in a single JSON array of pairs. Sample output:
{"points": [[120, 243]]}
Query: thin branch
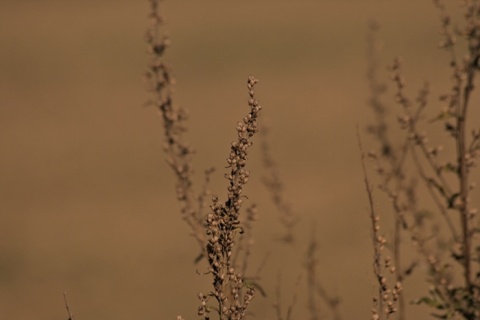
{"points": [[70, 314]]}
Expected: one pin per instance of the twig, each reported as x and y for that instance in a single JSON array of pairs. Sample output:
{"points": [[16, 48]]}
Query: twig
{"points": [[70, 314], [179, 153], [386, 298]]}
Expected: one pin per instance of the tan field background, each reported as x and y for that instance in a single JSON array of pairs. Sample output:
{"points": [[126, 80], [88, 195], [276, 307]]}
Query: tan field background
{"points": [[87, 202]]}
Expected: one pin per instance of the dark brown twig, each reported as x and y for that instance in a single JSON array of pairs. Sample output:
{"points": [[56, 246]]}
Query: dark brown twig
{"points": [[70, 314]]}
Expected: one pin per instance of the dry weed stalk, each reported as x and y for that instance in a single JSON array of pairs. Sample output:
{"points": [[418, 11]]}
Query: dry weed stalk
{"points": [[458, 103], [395, 180], [179, 153], [223, 224], [215, 232], [390, 166], [245, 243], [70, 314], [386, 299], [447, 181]]}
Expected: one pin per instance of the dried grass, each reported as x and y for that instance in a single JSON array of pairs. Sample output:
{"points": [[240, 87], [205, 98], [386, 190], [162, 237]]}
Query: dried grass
{"points": [[403, 168]]}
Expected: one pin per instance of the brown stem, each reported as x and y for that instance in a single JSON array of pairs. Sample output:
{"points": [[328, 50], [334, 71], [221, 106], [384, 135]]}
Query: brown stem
{"points": [[463, 175], [398, 271]]}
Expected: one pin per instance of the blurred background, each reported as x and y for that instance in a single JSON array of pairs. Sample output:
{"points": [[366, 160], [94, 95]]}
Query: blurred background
{"points": [[87, 202]]}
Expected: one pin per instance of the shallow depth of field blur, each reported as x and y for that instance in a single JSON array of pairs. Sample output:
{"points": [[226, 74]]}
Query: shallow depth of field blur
{"points": [[87, 202]]}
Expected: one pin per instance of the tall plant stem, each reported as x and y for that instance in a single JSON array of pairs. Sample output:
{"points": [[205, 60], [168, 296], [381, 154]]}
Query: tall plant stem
{"points": [[463, 174]]}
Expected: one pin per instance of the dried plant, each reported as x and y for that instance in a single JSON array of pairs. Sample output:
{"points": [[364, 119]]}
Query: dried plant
{"points": [[67, 307], [441, 235], [446, 180], [223, 225], [179, 153], [390, 165], [216, 232], [386, 299]]}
